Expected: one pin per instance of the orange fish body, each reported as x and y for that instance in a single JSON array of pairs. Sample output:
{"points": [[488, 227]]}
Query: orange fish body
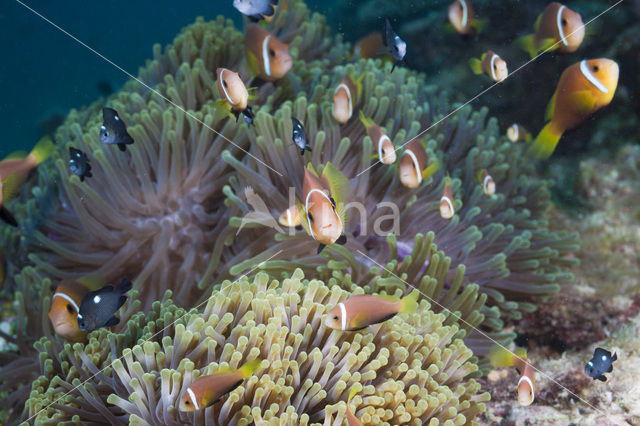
{"points": [[446, 201], [502, 357], [208, 390], [414, 167], [232, 89], [490, 64], [557, 28], [369, 46], [583, 89], [487, 182], [65, 306], [268, 56], [517, 133], [385, 149], [325, 224], [344, 98], [363, 310], [463, 17]]}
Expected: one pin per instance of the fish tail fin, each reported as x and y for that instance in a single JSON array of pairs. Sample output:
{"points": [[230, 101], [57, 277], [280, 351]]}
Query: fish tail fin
{"points": [[521, 352], [545, 143], [409, 304], [480, 25], [125, 285], [499, 356], [429, 171], [250, 367], [354, 390], [526, 43], [42, 150], [366, 121], [476, 65]]}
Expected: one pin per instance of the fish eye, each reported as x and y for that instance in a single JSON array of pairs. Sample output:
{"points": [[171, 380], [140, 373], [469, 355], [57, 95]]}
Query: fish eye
{"points": [[224, 83], [595, 68], [187, 402], [564, 22], [336, 318], [70, 308], [272, 53]]}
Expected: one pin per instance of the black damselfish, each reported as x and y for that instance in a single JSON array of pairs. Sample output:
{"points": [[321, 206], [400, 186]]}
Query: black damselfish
{"points": [[113, 130], [397, 46], [300, 136], [98, 307], [79, 163], [602, 362]]}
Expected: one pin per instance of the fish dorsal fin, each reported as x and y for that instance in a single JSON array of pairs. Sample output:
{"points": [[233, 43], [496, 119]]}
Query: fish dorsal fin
{"points": [[551, 106], [366, 121], [583, 101], [339, 186], [92, 281], [43, 149], [536, 24], [521, 352], [16, 155], [388, 297], [358, 83], [225, 369], [303, 217]]}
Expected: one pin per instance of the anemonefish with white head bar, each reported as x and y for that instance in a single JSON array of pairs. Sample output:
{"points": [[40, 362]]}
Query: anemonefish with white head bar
{"points": [[557, 28], [290, 217], [64, 310], [517, 133], [491, 64], [583, 89], [234, 93], [381, 142], [446, 201], [269, 58], [500, 356], [414, 167], [345, 96], [487, 182], [319, 210], [463, 18], [208, 390]]}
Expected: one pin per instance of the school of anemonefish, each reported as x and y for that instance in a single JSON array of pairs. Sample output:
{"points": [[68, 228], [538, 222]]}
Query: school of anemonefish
{"points": [[583, 88]]}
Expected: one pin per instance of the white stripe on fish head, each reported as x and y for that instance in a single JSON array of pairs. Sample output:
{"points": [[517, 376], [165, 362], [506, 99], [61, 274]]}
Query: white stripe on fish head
{"points": [[416, 164], [559, 25], [192, 396], [465, 13], [343, 316], [528, 380], [584, 69], [492, 65], [306, 209], [266, 61], [224, 89], [380, 143], [346, 88], [68, 299], [485, 182]]}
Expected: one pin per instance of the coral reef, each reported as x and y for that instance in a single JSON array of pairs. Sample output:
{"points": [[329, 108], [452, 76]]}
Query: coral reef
{"points": [[411, 368]]}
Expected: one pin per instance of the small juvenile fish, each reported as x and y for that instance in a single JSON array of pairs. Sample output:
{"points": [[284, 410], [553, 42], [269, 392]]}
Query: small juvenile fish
{"points": [[345, 96], [234, 93], [397, 47], [269, 58], [290, 218], [256, 10], [414, 165], [583, 89], [386, 150], [113, 130], [517, 133], [352, 420], [360, 311], [98, 307], [300, 136], [501, 357], [602, 362], [208, 390], [556, 28], [487, 182], [491, 64], [65, 306], [79, 164], [463, 18], [446, 201]]}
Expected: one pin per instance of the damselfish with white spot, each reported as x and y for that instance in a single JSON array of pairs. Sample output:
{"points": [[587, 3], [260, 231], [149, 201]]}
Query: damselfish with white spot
{"points": [[98, 307]]}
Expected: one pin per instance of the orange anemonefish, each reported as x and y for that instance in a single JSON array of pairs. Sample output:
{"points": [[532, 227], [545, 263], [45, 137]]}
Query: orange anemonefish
{"points": [[352, 420], [14, 171], [208, 390], [463, 18], [502, 357], [385, 148], [320, 216], [446, 201], [491, 64], [363, 310], [369, 47], [290, 217], [487, 182], [413, 165], [583, 89], [234, 93], [344, 98], [517, 133], [65, 307], [556, 28], [269, 58]]}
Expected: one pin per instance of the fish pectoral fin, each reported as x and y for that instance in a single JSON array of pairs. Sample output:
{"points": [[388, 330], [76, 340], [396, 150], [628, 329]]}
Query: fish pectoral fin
{"points": [[320, 248], [536, 24], [122, 147], [584, 101], [342, 240], [112, 321], [602, 378], [6, 216]]}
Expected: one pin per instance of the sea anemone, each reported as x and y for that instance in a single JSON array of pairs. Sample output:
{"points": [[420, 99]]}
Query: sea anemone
{"points": [[412, 368]]}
